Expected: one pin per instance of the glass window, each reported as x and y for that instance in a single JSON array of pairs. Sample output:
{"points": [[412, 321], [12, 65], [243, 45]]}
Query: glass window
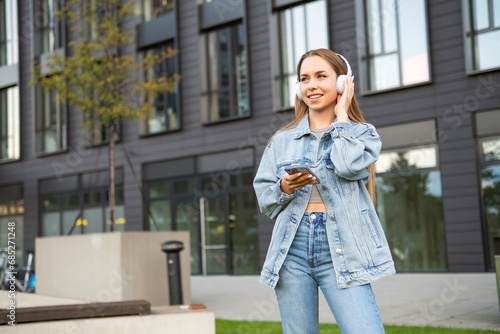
{"points": [[409, 205], [482, 31], [85, 209], [397, 51], [156, 8], [13, 223], [301, 28], [8, 32], [230, 215], [165, 113], [48, 26], [9, 124], [98, 132], [50, 122], [244, 233], [490, 184], [224, 82], [12, 219]]}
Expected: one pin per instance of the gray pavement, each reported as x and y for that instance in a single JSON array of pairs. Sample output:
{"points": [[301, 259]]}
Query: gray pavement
{"points": [[441, 300]]}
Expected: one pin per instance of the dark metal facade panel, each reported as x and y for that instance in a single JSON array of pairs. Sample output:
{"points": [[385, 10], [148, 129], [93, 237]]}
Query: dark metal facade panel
{"points": [[156, 31], [219, 12]]}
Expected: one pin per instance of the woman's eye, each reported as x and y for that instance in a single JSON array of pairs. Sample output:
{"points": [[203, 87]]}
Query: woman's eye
{"points": [[303, 79], [321, 75]]}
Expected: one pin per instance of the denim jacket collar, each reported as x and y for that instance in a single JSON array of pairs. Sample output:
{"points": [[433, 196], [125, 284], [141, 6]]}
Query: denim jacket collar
{"points": [[303, 127]]}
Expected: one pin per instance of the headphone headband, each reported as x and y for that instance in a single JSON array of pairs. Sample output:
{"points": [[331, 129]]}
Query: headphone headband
{"points": [[349, 72], [340, 79]]}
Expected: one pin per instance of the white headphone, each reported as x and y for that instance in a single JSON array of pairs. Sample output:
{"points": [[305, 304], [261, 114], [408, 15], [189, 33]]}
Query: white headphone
{"points": [[340, 80]]}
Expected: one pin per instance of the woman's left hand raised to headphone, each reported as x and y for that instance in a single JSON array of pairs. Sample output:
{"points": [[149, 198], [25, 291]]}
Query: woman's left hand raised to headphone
{"points": [[344, 100]]}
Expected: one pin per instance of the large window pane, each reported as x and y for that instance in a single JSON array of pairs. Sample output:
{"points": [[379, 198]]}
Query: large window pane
{"points": [[225, 90], [161, 219], [490, 183], [165, 111], [50, 122], [48, 26], [301, 28], [488, 46], [482, 34], [244, 233], [8, 32], [85, 209], [9, 124], [156, 8], [384, 71], [187, 219], [397, 43], [411, 212], [480, 14], [409, 204], [424, 157], [71, 215]]}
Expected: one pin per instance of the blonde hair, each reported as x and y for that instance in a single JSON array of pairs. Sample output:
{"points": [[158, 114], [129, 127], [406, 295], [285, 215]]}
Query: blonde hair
{"points": [[354, 113]]}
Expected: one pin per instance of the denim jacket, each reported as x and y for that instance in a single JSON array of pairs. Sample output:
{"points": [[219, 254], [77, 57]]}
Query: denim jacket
{"points": [[358, 245]]}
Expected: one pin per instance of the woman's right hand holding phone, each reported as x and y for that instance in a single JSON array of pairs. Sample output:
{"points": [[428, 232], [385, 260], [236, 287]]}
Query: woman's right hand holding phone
{"points": [[290, 183]]}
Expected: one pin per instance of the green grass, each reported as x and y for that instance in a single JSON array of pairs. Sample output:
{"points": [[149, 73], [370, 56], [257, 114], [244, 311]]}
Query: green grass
{"points": [[264, 327]]}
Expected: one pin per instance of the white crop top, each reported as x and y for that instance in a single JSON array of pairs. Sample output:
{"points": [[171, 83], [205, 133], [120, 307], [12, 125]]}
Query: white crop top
{"points": [[315, 195]]}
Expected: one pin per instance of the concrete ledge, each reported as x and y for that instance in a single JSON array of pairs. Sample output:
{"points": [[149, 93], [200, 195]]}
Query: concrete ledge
{"points": [[164, 319]]}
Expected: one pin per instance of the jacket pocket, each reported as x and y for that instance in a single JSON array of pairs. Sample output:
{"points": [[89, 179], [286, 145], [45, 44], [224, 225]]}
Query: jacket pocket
{"points": [[368, 222], [342, 186]]}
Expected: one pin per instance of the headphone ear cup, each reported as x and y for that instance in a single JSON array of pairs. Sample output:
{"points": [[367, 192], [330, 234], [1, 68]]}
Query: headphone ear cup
{"points": [[297, 90], [340, 83]]}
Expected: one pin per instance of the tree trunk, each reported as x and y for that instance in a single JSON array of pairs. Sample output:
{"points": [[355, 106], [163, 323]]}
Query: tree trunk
{"points": [[112, 209]]}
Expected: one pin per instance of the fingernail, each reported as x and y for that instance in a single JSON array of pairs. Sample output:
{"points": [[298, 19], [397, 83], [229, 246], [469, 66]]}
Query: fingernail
{"points": [[299, 174], [310, 176]]}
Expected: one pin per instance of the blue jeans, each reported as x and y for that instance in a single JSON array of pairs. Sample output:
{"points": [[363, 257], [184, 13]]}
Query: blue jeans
{"points": [[308, 265]]}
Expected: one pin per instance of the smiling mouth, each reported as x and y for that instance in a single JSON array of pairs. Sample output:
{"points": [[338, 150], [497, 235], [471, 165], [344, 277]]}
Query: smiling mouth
{"points": [[315, 96]]}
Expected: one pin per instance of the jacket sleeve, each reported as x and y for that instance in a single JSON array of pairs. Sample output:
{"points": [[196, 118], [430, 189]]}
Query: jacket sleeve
{"points": [[267, 186], [354, 148]]}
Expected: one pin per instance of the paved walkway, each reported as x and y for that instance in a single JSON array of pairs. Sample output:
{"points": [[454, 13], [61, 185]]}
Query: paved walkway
{"points": [[441, 300]]}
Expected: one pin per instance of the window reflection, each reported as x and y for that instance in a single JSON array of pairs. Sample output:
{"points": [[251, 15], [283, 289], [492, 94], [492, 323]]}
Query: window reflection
{"points": [[8, 33], [301, 28], [397, 40], [424, 157], [224, 90], [84, 209], [156, 8], [409, 204], [483, 34], [9, 124], [490, 184], [164, 115], [48, 26], [231, 226], [50, 122]]}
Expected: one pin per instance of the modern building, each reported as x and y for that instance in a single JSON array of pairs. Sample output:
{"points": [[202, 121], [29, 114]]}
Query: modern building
{"points": [[427, 76]]}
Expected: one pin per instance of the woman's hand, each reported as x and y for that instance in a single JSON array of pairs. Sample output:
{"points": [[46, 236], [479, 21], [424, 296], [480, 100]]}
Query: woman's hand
{"points": [[290, 183], [344, 100]]}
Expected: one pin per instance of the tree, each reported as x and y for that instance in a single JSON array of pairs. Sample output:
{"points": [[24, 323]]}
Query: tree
{"points": [[97, 77]]}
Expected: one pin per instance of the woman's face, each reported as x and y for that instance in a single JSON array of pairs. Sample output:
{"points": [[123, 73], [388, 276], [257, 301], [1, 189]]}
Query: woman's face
{"points": [[318, 84]]}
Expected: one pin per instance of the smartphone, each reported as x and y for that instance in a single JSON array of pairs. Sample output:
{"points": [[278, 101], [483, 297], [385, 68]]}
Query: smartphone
{"points": [[298, 168]]}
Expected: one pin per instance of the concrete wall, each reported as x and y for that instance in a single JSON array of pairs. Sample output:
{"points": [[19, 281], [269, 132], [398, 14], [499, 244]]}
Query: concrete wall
{"points": [[104, 267]]}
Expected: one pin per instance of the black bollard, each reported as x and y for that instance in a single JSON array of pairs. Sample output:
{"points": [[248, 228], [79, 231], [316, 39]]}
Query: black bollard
{"points": [[172, 248]]}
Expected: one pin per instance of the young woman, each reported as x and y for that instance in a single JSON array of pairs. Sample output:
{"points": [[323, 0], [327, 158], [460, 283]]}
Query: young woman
{"points": [[326, 234]]}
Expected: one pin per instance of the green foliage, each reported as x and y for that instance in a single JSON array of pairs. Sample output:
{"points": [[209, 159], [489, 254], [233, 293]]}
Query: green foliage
{"points": [[95, 76], [265, 327]]}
